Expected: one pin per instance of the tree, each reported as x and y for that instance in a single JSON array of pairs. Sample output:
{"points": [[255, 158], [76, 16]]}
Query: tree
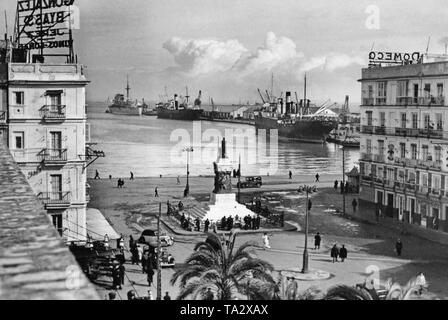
{"points": [[229, 275]]}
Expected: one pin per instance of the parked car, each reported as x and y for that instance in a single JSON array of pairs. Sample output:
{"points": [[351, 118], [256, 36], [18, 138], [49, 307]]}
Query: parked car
{"points": [[251, 182], [149, 237]]}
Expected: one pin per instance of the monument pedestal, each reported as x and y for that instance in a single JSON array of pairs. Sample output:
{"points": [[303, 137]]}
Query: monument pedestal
{"points": [[225, 205]]}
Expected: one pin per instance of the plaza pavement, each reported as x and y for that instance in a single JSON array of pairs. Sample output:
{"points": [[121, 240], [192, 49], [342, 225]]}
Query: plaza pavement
{"points": [[133, 208]]}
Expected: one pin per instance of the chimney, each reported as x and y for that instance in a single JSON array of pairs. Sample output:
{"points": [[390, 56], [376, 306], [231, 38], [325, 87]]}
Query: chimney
{"points": [[223, 149], [288, 103], [176, 103]]}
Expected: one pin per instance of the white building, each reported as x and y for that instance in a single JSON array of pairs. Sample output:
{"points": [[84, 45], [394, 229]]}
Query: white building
{"points": [[404, 140], [45, 111]]}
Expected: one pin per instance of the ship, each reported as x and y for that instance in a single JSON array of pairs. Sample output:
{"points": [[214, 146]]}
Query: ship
{"points": [[294, 121], [348, 131], [122, 105], [174, 110]]}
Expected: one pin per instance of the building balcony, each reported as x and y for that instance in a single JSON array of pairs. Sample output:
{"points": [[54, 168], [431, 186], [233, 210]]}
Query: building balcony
{"points": [[55, 200], [405, 101], [53, 113], [367, 156], [405, 132], [53, 157]]}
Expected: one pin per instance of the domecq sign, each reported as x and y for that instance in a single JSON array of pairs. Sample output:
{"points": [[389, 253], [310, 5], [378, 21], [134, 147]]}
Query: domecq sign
{"points": [[376, 57]]}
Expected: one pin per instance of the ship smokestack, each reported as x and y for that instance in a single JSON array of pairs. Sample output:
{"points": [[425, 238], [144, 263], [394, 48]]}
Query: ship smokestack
{"points": [[288, 103], [280, 101], [223, 148], [176, 103]]}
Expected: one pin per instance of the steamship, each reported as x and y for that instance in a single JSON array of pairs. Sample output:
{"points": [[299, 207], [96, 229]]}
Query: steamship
{"points": [[294, 121], [122, 105], [180, 111]]}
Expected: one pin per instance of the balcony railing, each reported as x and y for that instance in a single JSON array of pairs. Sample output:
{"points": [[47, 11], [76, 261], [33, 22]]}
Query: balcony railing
{"points": [[405, 101], [55, 198], [53, 155], [54, 112], [405, 132]]}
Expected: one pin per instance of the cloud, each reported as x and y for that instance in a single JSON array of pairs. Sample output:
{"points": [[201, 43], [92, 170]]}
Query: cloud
{"points": [[204, 56]]}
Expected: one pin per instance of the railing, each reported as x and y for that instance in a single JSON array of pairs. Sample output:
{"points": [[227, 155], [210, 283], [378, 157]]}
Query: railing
{"points": [[55, 112], [53, 155], [405, 101], [55, 198], [405, 132]]}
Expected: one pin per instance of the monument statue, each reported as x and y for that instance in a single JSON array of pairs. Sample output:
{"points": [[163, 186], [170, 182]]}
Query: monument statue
{"points": [[223, 182]]}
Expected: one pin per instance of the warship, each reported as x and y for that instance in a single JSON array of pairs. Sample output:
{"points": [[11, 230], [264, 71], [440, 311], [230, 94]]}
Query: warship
{"points": [[122, 105]]}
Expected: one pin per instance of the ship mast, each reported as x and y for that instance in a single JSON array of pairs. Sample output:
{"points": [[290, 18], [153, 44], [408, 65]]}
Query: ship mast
{"points": [[127, 87], [304, 98]]}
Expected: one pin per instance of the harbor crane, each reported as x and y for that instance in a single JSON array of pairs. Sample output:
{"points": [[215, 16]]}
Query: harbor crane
{"points": [[262, 98]]}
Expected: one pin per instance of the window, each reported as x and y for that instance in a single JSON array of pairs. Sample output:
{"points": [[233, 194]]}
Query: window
{"points": [[427, 118], [425, 179], [19, 140], [382, 119], [381, 147], [402, 150], [439, 123], [402, 89], [390, 174], [414, 120], [438, 154], [369, 118], [436, 182], [440, 90], [369, 146], [423, 210], [427, 90], [425, 153], [403, 120], [370, 91], [382, 89], [416, 94], [414, 151], [19, 98]]}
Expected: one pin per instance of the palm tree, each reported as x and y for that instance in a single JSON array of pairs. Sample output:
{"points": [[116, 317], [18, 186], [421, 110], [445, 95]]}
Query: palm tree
{"points": [[229, 275]]}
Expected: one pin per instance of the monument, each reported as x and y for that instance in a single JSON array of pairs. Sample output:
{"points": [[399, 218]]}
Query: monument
{"points": [[222, 200]]}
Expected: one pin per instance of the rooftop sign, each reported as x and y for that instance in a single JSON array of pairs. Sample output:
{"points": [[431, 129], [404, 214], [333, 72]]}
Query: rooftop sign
{"points": [[44, 25], [379, 57]]}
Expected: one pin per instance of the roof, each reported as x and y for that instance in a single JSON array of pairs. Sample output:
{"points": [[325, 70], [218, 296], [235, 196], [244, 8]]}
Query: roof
{"points": [[353, 173], [35, 264]]}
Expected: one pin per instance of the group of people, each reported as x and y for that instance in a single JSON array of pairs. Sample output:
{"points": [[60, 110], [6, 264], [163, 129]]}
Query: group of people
{"points": [[345, 188], [147, 259], [338, 253], [249, 222]]}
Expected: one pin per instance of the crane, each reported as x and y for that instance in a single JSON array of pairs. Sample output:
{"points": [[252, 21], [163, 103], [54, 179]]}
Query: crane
{"points": [[268, 96], [262, 98]]}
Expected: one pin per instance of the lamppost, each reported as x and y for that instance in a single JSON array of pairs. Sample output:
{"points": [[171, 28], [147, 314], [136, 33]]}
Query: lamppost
{"points": [[187, 188], [159, 255], [308, 190]]}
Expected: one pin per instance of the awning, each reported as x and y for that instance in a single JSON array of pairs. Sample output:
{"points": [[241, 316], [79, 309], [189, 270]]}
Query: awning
{"points": [[53, 92], [98, 226]]}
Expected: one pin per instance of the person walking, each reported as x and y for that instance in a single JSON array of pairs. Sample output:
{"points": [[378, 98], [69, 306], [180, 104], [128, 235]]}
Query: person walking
{"points": [[198, 224], [156, 192], [139, 254], [334, 253], [206, 225], [178, 180], [167, 296], [121, 274], [343, 253], [132, 176], [131, 242], [97, 175], [399, 247], [336, 185], [317, 240], [209, 295], [421, 282], [290, 175], [266, 243], [354, 204], [317, 177]]}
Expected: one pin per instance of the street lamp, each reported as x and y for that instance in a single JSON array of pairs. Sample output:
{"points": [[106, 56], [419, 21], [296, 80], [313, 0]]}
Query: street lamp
{"points": [[187, 188], [308, 190]]}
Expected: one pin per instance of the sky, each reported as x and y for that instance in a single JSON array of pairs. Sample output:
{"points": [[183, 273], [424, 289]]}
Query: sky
{"points": [[230, 48]]}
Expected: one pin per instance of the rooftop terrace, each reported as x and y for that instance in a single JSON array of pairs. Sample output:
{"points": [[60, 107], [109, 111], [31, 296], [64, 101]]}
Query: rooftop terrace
{"points": [[434, 69], [35, 263]]}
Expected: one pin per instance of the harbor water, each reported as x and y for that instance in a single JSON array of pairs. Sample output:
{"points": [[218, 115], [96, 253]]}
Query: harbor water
{"points": [[150, 147]]}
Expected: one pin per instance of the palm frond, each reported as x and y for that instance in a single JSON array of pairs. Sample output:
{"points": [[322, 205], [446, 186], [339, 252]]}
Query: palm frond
{"points": [[312, 293], [344, 292]]}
